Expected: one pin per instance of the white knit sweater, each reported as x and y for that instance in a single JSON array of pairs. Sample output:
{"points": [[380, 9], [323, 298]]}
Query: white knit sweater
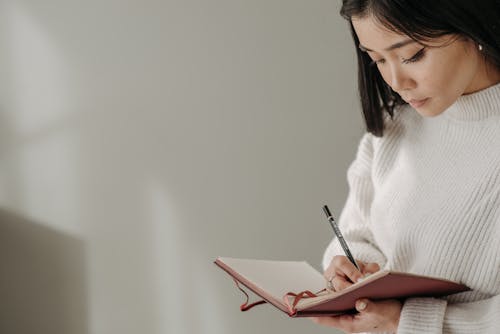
{"points": [[425, 199]]}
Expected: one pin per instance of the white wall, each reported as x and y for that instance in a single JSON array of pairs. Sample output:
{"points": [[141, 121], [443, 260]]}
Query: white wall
{"points": [[139, 140]]}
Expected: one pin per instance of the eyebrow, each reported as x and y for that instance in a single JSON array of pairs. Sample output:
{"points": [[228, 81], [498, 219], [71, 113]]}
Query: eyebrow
{"points": [[392, 47]]}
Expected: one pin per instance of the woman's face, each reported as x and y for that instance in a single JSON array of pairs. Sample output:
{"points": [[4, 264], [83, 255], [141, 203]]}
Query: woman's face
{"points": [[430, 78]]}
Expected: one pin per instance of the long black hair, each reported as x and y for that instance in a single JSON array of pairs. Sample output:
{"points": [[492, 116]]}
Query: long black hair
{"points": [[421, 20]]}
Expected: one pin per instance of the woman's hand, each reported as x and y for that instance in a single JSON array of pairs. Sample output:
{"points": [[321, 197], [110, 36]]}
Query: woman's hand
{"points": [[373, 316], [342, 273], [379, 316]]}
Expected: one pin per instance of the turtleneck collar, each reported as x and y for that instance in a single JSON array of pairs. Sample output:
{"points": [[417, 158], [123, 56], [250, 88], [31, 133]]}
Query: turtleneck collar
{"points": [[476, 106]]}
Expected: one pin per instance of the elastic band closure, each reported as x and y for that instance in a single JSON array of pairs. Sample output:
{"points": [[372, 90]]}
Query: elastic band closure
{"points": [[245, 306], [290, 299], [296, 298]]}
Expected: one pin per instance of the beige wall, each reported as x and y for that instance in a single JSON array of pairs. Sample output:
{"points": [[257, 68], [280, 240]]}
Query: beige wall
{"points": [[141, 139]]}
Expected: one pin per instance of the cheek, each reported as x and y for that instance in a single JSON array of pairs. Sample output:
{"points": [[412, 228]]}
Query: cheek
{"points": [[432, 75], [448, 73], [442, 83], [424, 77], [432, 82], [385, 73], [437, 78]]}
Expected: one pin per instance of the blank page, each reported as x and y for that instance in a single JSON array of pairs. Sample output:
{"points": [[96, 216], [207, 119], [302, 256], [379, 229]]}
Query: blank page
{"points": [[278, 277]]}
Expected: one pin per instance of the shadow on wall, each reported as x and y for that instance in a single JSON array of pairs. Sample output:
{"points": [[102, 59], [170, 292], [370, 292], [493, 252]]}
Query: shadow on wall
{"points": [[42, 279]]}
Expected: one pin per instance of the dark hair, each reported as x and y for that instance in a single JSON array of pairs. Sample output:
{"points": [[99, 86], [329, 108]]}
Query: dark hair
{"points": [[421, 20]]}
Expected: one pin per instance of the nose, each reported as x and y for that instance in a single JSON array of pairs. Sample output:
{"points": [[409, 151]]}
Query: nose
{"points": [[400, 81]]}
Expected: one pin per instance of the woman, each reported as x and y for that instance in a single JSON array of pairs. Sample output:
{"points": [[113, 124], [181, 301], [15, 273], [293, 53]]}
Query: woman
{"points": [[424, 190]]}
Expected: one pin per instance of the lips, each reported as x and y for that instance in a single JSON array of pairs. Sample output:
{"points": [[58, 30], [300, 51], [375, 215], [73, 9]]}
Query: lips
{"points": [[415, 103]]}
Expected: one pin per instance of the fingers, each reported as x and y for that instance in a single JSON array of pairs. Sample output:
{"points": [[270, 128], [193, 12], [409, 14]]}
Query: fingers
{"points": [[345, 268], [340, 283], [373, 316], [367, 268], [370, 268], [330, 275], [329, 283], [336, 283], [343, 322], [342, 273]]}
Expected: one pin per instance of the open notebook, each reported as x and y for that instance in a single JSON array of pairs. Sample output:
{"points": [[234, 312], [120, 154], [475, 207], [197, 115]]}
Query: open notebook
{"points": [[298, 289]]}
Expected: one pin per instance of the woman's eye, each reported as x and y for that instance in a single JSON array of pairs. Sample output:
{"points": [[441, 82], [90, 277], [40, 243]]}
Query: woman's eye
{"points": [[416, 57], [378, 62]]}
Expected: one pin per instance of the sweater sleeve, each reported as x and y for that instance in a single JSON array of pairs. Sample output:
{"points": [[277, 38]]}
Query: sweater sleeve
{"points": [[436, 315], [353, 221], [431, 315]]}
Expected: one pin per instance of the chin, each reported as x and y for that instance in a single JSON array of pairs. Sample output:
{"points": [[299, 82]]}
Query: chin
{"points": [[429, 112]]}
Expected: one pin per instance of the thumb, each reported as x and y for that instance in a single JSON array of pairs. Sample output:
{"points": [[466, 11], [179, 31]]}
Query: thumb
{"points": [[363, 305], [371, 268]]}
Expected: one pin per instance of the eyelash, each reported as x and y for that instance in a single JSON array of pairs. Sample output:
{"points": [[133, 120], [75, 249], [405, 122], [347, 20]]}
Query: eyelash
{"points": [[419, 55]]}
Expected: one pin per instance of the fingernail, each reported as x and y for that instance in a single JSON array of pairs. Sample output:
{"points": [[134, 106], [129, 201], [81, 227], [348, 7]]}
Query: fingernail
{"points": [[360, 279], [361, 306]]}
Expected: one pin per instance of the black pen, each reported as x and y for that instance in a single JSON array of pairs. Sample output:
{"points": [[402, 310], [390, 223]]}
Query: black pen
{"points": [[339, 236]]}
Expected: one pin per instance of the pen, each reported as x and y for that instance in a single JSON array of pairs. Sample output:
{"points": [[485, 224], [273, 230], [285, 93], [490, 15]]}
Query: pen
{"points": [[339, 236]]}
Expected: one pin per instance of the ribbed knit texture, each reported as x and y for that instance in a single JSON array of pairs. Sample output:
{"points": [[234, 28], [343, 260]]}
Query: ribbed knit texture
{"points": [[425, 199]]}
